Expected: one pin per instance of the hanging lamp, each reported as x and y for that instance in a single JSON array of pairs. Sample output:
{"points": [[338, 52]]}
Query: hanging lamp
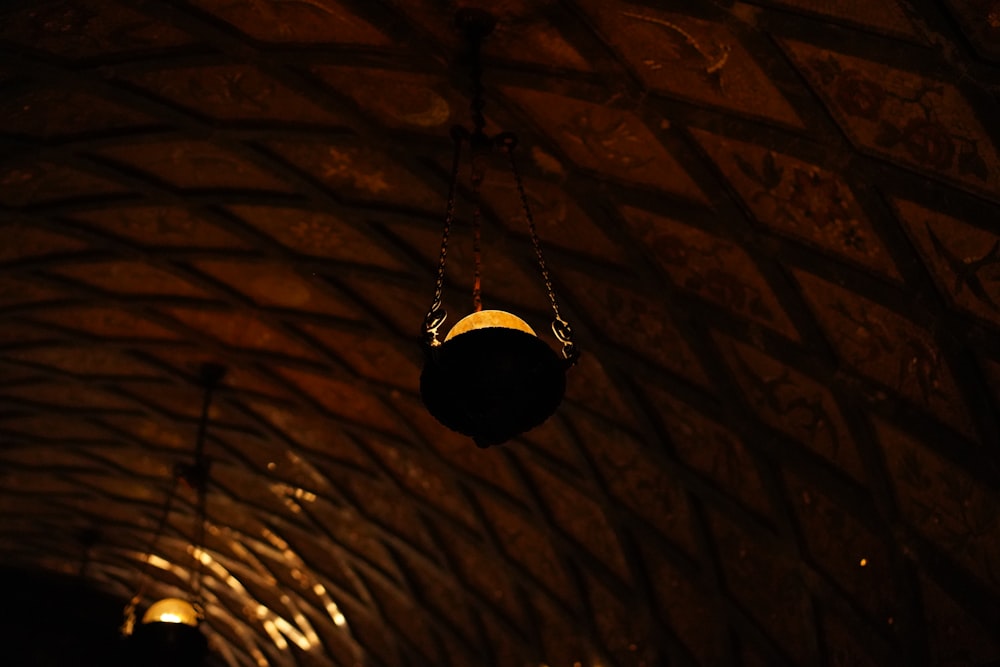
{"points": [[492, 378], [169, 634]]}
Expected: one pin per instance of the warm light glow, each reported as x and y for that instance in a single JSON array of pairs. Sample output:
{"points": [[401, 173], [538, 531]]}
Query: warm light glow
{"points": [[863, 562], [272, 631], [156, 561], [485, 319], [307, 629], [172, 610], [287, 492], [292, 633], [301, 632], [275, 540]]}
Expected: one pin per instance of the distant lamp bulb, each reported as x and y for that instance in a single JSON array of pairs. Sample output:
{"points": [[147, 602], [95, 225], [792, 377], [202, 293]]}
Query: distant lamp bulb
{"points": [[172, 610]]}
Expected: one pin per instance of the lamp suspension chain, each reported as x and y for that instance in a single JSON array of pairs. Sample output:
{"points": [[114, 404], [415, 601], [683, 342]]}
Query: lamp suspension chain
{"points": [[477, 26], [199, 474], [560, 327], [436, 315], [144, 575]]}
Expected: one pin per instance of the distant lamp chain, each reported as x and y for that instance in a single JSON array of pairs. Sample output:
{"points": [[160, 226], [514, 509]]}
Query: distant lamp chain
{"points": [[491, 378], [169, 633]]}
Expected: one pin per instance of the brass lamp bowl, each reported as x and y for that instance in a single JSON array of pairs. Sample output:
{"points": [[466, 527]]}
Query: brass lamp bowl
{"points": [[492, 378]]}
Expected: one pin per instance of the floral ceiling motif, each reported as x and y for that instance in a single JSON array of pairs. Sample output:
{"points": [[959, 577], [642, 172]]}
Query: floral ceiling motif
{"points": [[923, 123], [693, 59], [718, 271], [889, 349], [800, 200], [964, 259], [608, 140]]}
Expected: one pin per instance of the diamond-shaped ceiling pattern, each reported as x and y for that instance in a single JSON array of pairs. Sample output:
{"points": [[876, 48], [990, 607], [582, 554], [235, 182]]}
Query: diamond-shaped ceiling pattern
{"points": [[773, 224]]}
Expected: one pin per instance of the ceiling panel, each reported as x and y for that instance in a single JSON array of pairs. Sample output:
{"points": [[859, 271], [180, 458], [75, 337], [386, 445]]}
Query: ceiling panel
{"points": [[771, 225]]}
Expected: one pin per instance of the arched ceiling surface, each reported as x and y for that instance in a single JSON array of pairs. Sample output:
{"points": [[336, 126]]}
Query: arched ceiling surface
{"points": [[773, 225]]}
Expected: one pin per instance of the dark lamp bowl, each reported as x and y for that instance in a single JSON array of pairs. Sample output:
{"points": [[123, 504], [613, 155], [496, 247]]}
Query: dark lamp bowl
{"points": [[492, 383], [160, 644]]}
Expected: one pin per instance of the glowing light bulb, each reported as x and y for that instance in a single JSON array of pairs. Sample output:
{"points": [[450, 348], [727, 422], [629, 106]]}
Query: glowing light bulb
{"points": [[485, 319], [172, 610]]}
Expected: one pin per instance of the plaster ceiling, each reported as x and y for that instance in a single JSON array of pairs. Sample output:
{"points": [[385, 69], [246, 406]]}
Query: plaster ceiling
{"points": [[773, 225]]}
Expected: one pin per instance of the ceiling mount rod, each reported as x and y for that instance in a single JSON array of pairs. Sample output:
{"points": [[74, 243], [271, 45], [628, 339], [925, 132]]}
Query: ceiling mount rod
{"points": [[476, 25]]}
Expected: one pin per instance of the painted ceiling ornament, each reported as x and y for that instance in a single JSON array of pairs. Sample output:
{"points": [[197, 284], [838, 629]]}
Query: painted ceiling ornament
{"points": [[169, 633], [491, 378]]}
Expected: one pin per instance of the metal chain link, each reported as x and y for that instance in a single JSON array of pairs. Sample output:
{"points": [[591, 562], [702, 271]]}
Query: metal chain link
{"points": [[480, 143], [195, 475], [560, 327], [436, 315]]}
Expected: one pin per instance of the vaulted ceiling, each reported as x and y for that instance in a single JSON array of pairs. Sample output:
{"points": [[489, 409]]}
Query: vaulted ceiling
{"points": [[773, 225]]}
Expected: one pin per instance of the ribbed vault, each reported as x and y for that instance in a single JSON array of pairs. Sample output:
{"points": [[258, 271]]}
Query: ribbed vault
{"points": [[774, 226]]}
